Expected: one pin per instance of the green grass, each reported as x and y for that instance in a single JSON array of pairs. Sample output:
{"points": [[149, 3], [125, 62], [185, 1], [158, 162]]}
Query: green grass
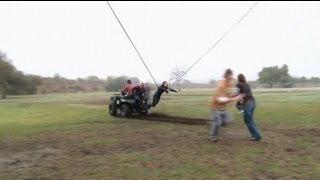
{"points": [[60, 135], [21, 118]]}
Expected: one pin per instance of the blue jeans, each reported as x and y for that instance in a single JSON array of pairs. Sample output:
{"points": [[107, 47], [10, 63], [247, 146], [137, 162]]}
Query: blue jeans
{"points": [[220, 118], [249, 108]]}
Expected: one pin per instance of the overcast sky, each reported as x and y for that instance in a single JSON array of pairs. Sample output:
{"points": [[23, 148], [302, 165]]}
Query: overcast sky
{"points": [[78, 39]]}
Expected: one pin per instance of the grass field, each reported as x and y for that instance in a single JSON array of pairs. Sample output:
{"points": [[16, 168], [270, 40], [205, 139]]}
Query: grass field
{"points": [[70, 136]]}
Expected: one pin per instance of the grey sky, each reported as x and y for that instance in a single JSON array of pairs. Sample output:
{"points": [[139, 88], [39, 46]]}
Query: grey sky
{"points": [[77, 39]]}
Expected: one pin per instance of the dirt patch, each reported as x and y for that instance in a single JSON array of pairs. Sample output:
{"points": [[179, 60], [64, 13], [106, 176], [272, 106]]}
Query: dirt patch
{"points": [[26, 159], [175, 119], [101, 149], [170, 119], [140, 142]]}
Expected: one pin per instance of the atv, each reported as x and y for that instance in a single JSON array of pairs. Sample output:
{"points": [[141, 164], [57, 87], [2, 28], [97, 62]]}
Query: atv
{"points": [[127, 106]]}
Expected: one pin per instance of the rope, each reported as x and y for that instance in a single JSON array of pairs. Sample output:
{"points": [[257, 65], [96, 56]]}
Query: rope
{"points": [[132, 43], [216, 43]]}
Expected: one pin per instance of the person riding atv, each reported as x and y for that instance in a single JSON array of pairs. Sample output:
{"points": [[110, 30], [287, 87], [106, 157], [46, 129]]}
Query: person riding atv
{"points": [[127, 90], [139, 93], [131, 100]]}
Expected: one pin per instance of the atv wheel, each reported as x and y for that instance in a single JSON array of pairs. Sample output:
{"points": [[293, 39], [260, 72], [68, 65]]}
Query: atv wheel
{"points": [[112, 109], [125, 111]]}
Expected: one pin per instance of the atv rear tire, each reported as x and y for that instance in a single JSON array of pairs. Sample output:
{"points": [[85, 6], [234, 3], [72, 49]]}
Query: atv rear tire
{"points": [[125, 111]]}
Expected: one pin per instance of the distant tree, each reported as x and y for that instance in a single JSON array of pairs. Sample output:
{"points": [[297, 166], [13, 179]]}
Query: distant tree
{"points": [[93, 78], [33, 82], [212, 81], [134, 80], [275, 75], [315, 80], [304, 82], [303, 79], [14, 82], [298, 80], [117, 83], [6, 72], [176, 74], [57, 77]]}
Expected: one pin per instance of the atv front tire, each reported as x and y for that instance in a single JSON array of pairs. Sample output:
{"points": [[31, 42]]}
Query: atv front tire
{"points": [[112, 109], [125, 111]]}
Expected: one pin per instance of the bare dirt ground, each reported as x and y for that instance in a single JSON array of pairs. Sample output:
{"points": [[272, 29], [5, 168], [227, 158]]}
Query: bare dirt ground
{"points": [[78, 153], [174, 119], [161, 147]]}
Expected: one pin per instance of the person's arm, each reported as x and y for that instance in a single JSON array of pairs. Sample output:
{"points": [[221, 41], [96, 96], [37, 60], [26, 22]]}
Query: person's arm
{"points": [[163, 89], [125, 89], [222, 99], [172, 90], [143, 92]]}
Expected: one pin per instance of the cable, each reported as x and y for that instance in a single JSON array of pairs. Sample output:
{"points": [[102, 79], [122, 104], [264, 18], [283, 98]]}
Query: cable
{"points": [[132, 43], [216, 43]]}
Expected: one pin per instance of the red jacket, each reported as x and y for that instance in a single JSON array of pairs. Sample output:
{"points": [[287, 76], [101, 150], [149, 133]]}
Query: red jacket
{"points": [[128, 89]]}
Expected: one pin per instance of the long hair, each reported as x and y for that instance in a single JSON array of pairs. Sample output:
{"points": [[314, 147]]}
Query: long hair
{"points": [[163, 83], [241, 78]]}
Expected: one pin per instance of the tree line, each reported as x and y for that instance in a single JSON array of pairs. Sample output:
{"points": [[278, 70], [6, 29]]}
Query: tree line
{"points": [[15, 82], [275, 76]]}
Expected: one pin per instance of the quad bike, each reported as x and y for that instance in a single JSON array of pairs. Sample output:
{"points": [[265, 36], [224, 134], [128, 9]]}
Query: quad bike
{"points": [[127, 106]]}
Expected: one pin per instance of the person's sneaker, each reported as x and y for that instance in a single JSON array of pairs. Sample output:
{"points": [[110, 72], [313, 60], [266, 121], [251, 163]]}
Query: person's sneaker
{"points": [[254, 139], [214, 140], [240, 112]]}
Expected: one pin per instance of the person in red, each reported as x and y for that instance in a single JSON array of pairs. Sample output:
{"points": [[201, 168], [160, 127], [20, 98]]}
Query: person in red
{"points": [[127, 90]]}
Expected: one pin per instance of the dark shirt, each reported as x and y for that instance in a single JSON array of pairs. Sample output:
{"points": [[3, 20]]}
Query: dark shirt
{"points": [[163, 89], [140, 92], [244, 88]]}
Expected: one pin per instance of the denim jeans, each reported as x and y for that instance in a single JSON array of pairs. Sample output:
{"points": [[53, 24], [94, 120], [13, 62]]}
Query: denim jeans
{"points": [[249, 108], [220, 118]]}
